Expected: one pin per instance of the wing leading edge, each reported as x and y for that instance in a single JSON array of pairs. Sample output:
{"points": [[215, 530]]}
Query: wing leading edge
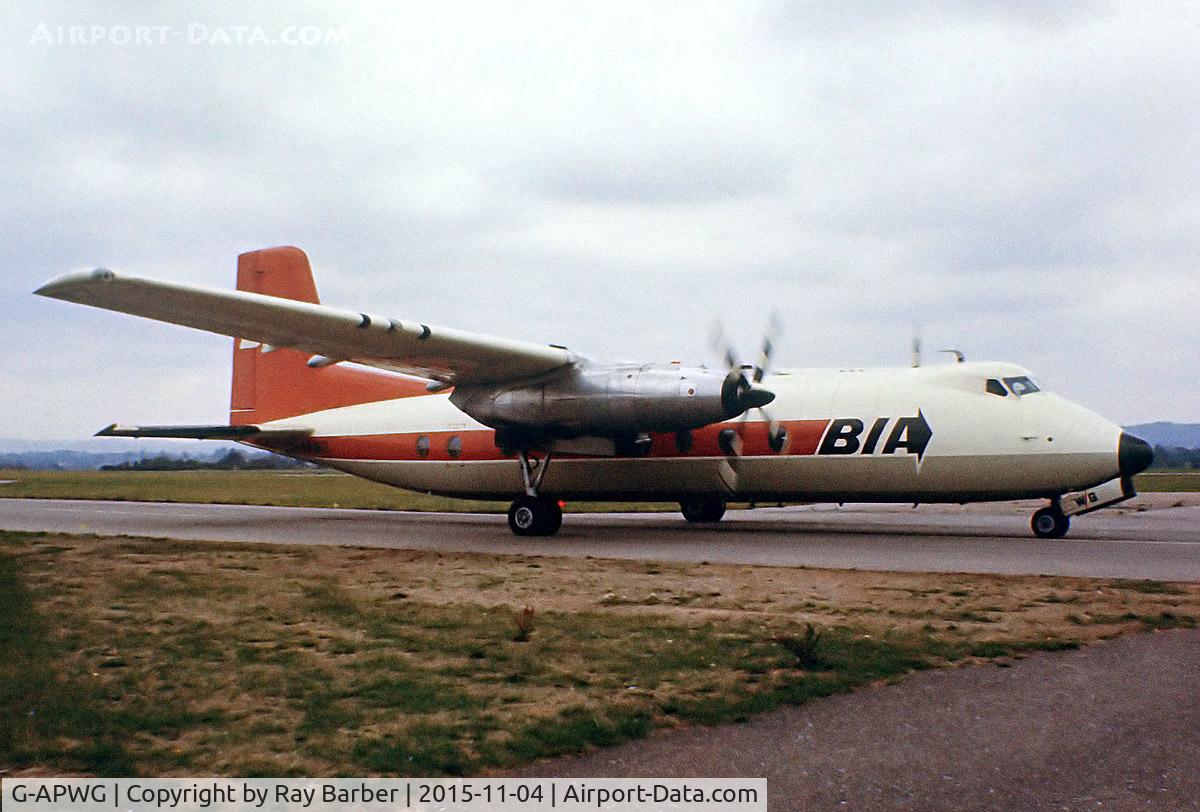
{"points": [[438, 353]]}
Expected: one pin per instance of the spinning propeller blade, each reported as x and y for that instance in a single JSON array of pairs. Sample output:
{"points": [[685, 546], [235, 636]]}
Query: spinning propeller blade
{"points": [[742, 393]]}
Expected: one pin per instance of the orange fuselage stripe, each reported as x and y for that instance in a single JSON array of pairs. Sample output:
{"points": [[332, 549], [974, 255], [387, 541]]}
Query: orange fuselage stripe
{"points": [[803, 437]]}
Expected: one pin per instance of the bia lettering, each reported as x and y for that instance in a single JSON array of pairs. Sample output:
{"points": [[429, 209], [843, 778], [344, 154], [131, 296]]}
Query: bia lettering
{"points": [[845, 436]]}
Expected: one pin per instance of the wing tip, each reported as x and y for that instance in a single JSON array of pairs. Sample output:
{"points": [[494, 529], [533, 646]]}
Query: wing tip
{"points": [[60, 285]]}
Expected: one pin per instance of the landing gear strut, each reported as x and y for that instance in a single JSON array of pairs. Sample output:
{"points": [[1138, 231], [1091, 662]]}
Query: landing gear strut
{"points": [[1050, 522], [532, 514], [703, 509]]}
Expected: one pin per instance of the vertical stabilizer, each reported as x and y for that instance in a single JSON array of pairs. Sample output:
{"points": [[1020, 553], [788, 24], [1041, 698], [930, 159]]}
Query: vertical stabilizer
{"points": [[275, 383]]}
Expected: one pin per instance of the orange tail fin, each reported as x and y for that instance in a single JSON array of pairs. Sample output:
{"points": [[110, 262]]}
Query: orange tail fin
{"points": [[279, 383]]}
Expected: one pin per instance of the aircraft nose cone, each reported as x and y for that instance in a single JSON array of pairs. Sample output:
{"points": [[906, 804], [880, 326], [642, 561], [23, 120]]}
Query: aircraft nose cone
{"points": [[1134, 455]]}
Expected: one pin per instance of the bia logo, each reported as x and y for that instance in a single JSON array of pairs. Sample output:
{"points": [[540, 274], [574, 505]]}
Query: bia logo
{"points": [[844, 436]]}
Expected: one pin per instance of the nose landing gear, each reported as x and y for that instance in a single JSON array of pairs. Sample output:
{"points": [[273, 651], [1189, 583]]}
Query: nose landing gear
{"points": [[1050, 522]]}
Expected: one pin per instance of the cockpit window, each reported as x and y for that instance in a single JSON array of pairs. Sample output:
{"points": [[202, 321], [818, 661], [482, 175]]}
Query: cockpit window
{"points": [[1021, 385], [994, 387]]}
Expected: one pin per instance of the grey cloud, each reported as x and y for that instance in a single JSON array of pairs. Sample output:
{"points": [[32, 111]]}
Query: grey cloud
{"points": [[853, 19], [1017, 178]]}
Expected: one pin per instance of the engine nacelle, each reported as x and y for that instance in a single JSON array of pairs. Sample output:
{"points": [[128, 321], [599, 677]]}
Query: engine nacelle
{"points": [[613, 400]]}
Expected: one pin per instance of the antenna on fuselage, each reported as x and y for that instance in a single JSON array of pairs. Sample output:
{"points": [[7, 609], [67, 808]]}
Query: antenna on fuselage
{"points": [[916, 347], [958, 356]]}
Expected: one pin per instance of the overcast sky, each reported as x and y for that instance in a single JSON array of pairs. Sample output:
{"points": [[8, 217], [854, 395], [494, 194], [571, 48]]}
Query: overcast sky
{"points": [[1021, 180]]}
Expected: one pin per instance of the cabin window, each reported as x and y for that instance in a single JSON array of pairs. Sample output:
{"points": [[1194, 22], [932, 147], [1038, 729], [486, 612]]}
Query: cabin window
{"points": [[994, 387], [1021, 385], [454, 446], [423, 446]]}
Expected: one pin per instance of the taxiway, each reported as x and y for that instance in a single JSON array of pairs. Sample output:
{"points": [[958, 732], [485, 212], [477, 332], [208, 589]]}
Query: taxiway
{"points": [[1157, 537]]}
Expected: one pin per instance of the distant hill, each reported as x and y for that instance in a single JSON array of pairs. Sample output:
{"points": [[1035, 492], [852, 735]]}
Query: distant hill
{"points": [[91, 454], [1168, 435], [64, 459], [116, 445]]}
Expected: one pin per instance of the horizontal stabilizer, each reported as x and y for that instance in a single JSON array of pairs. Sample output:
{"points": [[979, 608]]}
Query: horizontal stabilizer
{"points": [[204, 432]]}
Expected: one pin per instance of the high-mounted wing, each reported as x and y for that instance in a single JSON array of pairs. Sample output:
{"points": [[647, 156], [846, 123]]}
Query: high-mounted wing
{"points": [[330, 334]]}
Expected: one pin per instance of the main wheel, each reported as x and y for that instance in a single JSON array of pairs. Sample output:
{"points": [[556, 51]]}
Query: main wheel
{"points": [[1050, 523], [534, 516], [703, 509]]}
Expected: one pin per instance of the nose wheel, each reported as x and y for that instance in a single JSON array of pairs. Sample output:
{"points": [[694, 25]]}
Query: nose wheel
{"points": [[1050, 523]]}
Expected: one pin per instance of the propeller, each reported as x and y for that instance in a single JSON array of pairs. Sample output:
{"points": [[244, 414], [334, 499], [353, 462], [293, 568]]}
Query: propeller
{"points": [[773, 331], [742, 393]]}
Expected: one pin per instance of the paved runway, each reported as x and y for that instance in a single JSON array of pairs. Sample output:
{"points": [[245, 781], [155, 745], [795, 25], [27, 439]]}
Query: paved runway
{"points": [[1162, 541]]}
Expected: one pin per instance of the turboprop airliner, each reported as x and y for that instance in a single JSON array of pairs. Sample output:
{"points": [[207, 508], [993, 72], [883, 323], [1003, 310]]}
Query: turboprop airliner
{"points": [[448, 412]]}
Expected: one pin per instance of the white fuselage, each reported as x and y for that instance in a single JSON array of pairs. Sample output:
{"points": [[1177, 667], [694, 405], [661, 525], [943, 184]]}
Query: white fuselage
{"points": [[925, 434]]}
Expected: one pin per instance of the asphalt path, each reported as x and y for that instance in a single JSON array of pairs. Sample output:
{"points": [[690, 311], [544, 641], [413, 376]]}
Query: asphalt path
{"points": [[1160, 541], [1065, 731]]}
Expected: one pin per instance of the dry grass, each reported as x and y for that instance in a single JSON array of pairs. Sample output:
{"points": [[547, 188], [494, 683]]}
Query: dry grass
{"points": [[1168, 481], [189, 658], [327, 489]]}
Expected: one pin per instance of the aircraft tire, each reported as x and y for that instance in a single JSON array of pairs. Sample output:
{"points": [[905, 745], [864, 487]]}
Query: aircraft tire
{"points": [[703, 509], [534, 516], [553, 517], [1050, 523]]}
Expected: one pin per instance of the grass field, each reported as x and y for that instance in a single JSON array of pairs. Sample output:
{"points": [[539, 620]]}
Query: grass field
{"points": [[1168, 482], [284, 488], [307, 489], [160, 657]]}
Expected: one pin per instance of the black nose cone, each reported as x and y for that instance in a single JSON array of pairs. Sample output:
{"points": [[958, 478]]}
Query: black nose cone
{"points": [[1134, 455]]}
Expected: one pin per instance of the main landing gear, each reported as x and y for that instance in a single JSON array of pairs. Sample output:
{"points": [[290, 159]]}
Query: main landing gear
{"points": [[532, 514], [703, 509], [1050, 522]]}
